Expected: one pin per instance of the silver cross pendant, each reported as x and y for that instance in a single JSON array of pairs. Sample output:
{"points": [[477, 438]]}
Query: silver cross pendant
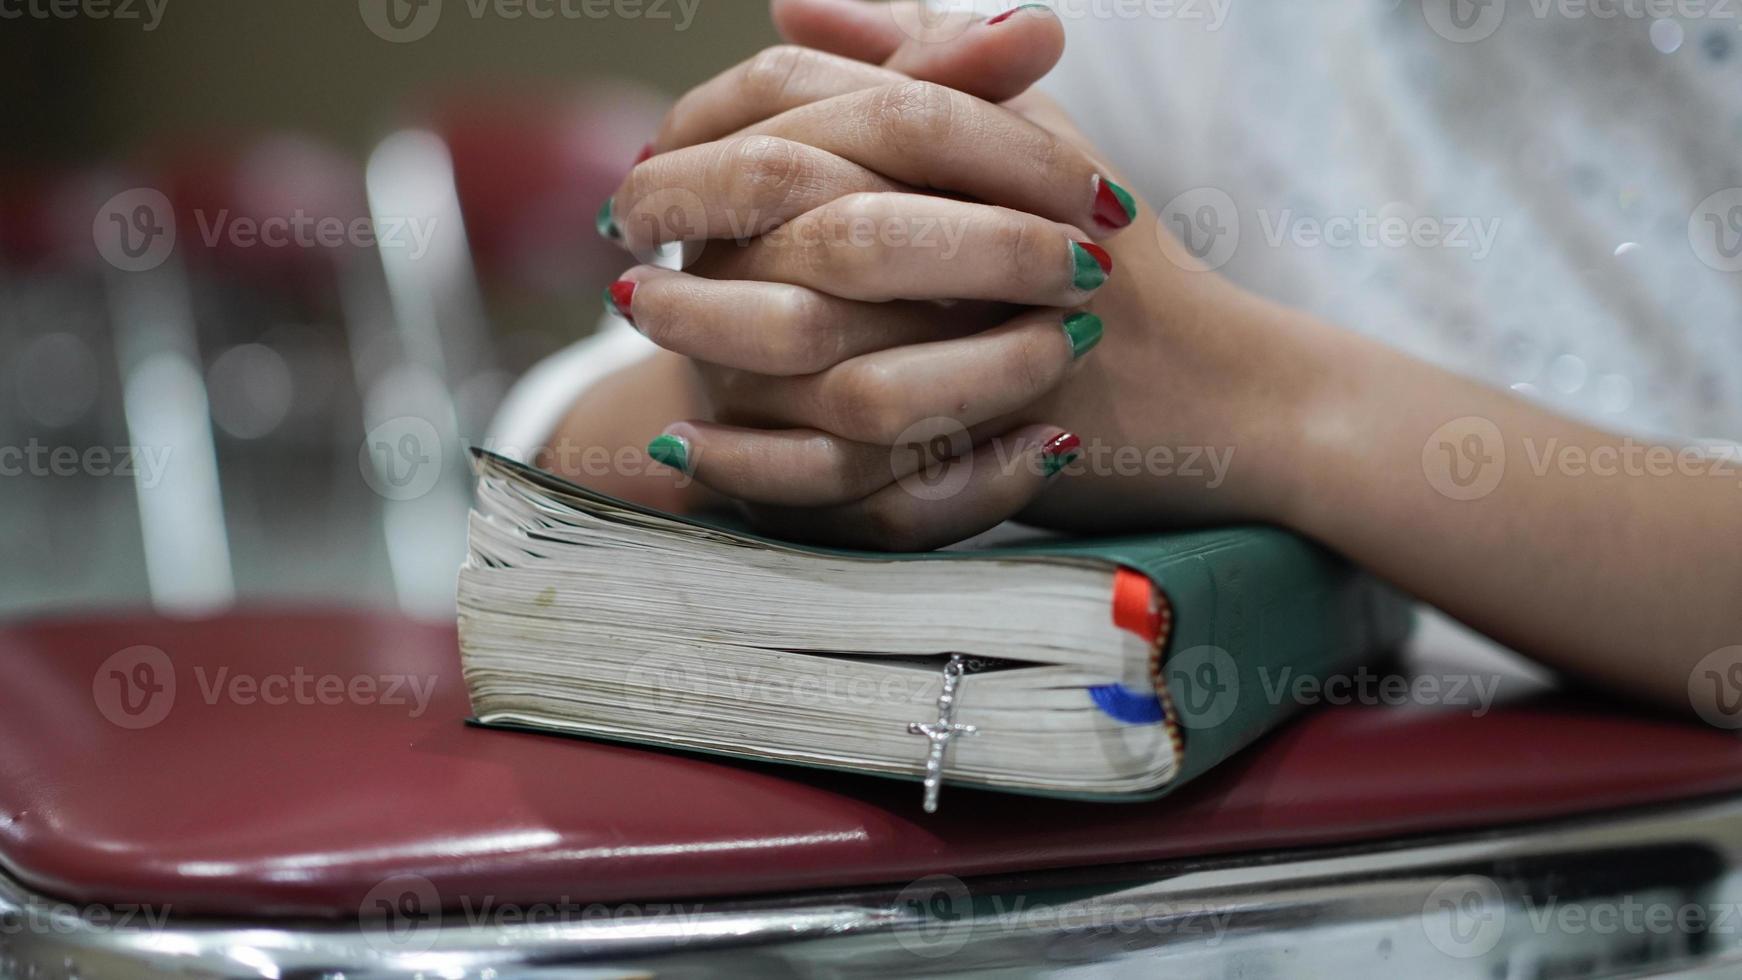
{"points": [[942, 732]]}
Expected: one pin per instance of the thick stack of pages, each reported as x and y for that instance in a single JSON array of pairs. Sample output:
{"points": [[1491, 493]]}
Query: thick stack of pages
{"points": [[586, 615]]}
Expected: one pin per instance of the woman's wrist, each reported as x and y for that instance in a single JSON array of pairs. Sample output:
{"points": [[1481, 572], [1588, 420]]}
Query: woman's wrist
{"points": [[1357, 433], [1306, 394], [1262, 386]]}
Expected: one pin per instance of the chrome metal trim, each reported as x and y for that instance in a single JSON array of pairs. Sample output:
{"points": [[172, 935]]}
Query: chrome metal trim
{"points": [[1614, 896]]}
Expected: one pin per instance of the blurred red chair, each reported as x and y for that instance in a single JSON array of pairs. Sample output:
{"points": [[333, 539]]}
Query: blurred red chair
{"points": [[104, 293], [293, 332], [531, 174], [526, 175]]}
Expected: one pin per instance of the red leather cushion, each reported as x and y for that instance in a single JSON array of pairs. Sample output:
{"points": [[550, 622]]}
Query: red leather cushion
{"points": [[231, 805]]}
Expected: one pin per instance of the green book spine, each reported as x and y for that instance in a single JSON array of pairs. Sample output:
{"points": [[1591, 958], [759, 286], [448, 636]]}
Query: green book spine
{"points": [[1256, 613]]}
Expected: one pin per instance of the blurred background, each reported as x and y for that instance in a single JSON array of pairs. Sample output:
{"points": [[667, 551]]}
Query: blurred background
{"points": [[266, 269]]}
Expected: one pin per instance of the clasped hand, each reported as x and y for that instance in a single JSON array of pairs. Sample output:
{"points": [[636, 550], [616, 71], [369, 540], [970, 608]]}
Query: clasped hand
{"points": [[918, 310]]}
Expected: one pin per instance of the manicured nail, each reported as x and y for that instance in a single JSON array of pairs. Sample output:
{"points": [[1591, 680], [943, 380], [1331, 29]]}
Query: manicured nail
{"points": [[1114, 206], [1006, 15], [673, 451], [645, 155], [619, 296], [1063, 450], [606, 222], [1084, 331], [1090, 265]]}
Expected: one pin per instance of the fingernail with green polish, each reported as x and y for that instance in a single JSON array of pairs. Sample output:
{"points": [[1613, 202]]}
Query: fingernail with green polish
{"points": [[672, 451], [1090, 265], [606, 222], [1060, 452], [1084, 330]]}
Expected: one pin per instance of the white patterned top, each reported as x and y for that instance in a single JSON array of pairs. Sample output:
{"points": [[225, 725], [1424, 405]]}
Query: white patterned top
{"points": [[1541, 194]]}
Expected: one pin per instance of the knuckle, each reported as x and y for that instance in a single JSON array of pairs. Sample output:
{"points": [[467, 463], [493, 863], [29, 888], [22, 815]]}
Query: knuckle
{"points": [[635, 187], [662, 322], [857, 207], [836, 477], [800, 340], [1012, 239], [653, 206], [687, 108], [914, 115], [845, 252], [761, 172], [1034, 364], [726, 389], [867, 403], [768, 75], [1050, 155]]}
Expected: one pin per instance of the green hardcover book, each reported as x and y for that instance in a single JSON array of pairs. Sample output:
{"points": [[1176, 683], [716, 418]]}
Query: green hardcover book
{"points": [[1106, 668]]}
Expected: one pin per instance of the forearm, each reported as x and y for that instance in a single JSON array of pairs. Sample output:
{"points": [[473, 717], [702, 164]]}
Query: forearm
{"points": [[1609, 557]]}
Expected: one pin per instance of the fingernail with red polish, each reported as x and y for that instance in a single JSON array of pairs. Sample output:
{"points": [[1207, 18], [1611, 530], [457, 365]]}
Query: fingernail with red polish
{"points": [[619, 297], [1059, 452], [1013, 11], [1114, 206], [645, 155], [1090, 265]]}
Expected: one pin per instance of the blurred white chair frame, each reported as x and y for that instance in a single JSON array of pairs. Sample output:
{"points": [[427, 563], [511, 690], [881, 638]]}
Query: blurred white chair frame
{"points": [[438, 314], [181, 517]]}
